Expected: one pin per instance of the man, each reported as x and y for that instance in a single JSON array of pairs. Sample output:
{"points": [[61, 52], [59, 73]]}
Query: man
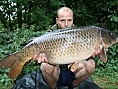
{"points": [[61, 75], [52, 76]]}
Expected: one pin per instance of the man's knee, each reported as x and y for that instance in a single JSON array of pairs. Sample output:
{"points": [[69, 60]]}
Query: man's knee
{"points": [[47, 68], [90, 66]]}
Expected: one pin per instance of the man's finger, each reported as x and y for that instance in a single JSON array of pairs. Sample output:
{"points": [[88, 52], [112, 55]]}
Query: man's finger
{"points": [[44, 58], [34, 57]]}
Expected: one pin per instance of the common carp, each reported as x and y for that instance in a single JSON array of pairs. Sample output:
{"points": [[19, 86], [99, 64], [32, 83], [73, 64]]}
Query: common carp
{"points": [[64, 46]]}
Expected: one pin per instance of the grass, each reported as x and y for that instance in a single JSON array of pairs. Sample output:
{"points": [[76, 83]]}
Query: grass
{"points": [[104, 81], [5, 86]]}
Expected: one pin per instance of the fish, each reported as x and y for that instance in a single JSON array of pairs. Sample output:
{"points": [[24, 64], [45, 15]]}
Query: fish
{"points": [[64, 46]]}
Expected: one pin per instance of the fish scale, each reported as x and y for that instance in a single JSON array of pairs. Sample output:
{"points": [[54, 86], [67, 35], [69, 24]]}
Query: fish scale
{"points": [[64, 46]]}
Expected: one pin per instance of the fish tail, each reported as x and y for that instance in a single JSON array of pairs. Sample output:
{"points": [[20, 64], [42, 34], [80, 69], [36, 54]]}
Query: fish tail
{"points": [[8, 61], [16, 61], [16, 69]]}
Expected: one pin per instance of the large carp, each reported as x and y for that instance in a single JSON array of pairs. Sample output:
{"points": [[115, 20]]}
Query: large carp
{"points": [[64, 46]]}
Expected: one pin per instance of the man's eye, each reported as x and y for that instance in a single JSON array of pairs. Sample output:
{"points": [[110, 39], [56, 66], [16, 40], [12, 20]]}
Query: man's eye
{"points": [[70, 20], [62, 20]]}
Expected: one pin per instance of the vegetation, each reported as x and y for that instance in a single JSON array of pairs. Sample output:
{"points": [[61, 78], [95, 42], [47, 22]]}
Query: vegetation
{"points": [[21, 20], [106, 81]]}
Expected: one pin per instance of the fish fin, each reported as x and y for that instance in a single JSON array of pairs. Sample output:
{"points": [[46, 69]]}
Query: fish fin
{"points": [[102, 55], [16, 61], [74, 66], [8, 61], [15, 70]]}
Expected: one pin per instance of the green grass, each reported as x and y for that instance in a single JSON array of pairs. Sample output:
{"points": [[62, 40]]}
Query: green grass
{"points": [[104, 81], [5, 86]]}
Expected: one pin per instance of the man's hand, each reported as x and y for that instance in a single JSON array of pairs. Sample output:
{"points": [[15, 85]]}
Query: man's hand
{"points": [[96, 51], [40, 58]]}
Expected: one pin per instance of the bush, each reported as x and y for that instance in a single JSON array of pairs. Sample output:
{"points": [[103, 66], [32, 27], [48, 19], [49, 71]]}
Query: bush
{"points": [[12, 42]]}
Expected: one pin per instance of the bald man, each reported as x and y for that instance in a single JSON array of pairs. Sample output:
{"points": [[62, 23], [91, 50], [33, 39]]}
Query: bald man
{"points": [[61, 75], [52, 77]]}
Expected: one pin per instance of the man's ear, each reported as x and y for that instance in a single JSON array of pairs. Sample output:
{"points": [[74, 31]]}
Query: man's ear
{"points": [[57, 20]]}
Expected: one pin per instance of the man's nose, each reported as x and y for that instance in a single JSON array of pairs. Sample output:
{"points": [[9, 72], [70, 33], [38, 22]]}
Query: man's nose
{"points": [[66, 24]]}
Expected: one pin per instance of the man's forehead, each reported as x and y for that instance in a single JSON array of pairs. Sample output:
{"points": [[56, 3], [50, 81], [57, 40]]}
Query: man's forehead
{"points": [[65, 18], [65, 15], [65, 12]]}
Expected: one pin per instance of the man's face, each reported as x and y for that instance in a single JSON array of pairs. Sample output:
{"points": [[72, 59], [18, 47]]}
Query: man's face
{"points": [[65, 19]]}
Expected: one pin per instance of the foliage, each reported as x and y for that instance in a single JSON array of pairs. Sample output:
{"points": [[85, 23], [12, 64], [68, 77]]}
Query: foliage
{"points": [[15, 13], [112, 63], [12, 42], [106, 81]]}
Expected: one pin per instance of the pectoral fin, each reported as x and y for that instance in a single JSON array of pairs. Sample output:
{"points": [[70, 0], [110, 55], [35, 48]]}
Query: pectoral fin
{"points": [[102, 55]]}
